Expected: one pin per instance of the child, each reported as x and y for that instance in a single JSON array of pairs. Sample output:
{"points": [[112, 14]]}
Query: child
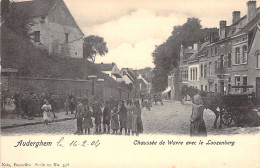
{"points": [[87, 114], [106, 118], [114, 120], [66, 106], [46, 111], [129, 121], [197, 124]]}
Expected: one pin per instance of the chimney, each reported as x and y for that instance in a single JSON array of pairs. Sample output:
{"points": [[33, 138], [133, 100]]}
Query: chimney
{"points": [[222, 27], [251, 10], [235, 16]]}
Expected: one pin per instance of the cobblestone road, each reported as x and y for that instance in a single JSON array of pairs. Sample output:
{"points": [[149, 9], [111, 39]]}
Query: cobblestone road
{"points": [[171, 118]]}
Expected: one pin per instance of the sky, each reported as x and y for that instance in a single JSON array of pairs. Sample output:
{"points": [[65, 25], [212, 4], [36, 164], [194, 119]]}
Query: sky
{"points": [[132, 28]]}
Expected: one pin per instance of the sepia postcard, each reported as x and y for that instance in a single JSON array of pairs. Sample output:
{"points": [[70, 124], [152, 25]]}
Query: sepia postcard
{"points": [[130, 83]]}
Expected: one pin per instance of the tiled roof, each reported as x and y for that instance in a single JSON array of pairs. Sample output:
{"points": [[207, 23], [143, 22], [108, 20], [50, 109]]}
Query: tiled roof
{"points": [[104, 67], [194, 57], [250, 25], [131, 74], [36, 7]]}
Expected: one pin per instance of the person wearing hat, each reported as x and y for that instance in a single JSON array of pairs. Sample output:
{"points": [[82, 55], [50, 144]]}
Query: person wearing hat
{"points": [[197, 124]]}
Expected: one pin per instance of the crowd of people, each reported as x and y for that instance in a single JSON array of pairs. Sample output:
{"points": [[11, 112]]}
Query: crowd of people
{"points": [[29, 105], [112, 116]]}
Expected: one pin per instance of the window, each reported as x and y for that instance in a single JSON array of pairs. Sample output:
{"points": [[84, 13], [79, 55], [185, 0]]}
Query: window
{"points": [[196, 74], [206, 88], [205, 70], [181, 75], [201, 71], [216, 66], [244, 83], [258, 60], [37, 37], [191, 74], [211, 51], [237, 56], [244, 58], [216, 87], [201, 87], [216, 50], [229, 60], [66, 37], [210, 70], [237, 81], [221, 62]]}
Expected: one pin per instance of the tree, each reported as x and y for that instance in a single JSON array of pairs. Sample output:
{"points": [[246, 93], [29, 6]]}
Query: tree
{"points": [[18, 20], [167, 55], [94, 45]]}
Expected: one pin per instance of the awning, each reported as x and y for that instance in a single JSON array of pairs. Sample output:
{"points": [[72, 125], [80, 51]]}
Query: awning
{"points": [[167, 90]]}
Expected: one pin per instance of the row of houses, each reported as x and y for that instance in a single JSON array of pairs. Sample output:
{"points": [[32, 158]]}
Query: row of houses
{"points": [[229, 57], [138, 82]]}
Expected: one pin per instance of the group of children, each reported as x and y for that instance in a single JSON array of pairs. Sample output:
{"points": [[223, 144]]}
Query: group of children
{"points": [[114, 116]]}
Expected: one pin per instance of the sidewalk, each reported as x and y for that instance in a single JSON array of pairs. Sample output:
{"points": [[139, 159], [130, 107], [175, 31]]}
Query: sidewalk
{"points": [[12, 121]]}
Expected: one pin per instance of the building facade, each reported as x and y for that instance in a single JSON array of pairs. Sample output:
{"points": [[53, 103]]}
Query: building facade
{"points": [[54, 28], [229, 58]]}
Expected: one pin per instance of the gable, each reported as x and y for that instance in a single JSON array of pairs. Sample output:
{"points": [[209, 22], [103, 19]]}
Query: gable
{"points": [[255, 39], [60, 14], [36, 8]]}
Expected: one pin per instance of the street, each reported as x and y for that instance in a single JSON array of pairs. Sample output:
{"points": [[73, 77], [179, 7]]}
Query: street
{"points": [[170, 118]]}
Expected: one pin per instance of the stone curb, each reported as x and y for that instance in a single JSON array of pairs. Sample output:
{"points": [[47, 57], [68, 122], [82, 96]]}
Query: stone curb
{"points": [[35, 123]]}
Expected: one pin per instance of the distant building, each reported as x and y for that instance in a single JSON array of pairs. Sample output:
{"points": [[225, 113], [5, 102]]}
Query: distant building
{"points": [[54, 28], [111, 70]]}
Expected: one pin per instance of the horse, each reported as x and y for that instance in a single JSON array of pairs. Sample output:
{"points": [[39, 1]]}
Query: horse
{"points": [[211, 100]]}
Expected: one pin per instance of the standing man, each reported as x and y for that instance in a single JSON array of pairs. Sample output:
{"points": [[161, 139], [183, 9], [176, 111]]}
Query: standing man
{"points": [[122, 117], [78, 115], [97, 112]]}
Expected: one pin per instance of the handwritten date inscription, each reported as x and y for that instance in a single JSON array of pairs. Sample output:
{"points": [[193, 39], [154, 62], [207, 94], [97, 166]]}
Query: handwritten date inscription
{"points": [[74, 143]]}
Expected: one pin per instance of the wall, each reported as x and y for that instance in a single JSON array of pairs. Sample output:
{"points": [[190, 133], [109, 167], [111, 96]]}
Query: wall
{"points": [[47, 85]]}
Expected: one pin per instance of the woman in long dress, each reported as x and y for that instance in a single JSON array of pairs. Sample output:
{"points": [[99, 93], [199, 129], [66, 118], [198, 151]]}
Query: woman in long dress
{"points": [[46, 111], [114, 120], [197, 124]]}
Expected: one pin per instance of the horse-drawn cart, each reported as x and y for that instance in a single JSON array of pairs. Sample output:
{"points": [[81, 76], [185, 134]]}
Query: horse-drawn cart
{"points": [[237, 105]]}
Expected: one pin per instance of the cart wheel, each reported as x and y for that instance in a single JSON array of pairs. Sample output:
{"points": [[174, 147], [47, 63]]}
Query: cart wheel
{"points": [[227, 119], [236, 119]]}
